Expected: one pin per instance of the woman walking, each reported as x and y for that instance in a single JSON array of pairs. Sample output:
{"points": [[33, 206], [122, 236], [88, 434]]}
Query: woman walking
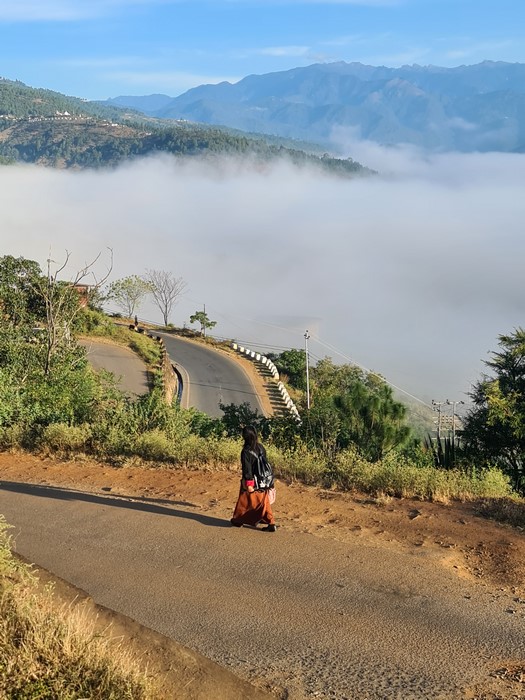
{"points": [[253, 505]]}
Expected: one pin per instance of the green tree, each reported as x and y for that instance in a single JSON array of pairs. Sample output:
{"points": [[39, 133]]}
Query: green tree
{"points": [[494, 429], [351, 407], [327, 376], [128, 293], [20, 303], [202, 318], [372, 419], [236, 417], [44, 376], [293, 364]]}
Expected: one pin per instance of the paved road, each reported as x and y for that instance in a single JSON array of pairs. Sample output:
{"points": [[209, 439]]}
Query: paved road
{"points": [[324, 619], [211, 377], [123, 362]]}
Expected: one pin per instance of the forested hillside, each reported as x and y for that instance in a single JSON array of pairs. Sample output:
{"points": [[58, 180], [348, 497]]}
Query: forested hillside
{"points": [[19, 100], [47, 128]]}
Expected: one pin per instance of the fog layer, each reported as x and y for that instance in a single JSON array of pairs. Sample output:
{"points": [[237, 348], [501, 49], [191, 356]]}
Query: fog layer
{"points": [[413, 273]]}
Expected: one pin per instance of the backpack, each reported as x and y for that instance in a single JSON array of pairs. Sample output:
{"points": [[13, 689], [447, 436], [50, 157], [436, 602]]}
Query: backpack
{"points": [[262, 472]]}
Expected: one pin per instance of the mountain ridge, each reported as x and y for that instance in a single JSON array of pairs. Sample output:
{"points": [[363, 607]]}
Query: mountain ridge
{"points": [[479, 107]]}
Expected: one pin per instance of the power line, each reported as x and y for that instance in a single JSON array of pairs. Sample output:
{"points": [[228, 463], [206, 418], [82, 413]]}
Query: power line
{"points": [[366, 369], [294, 332]]}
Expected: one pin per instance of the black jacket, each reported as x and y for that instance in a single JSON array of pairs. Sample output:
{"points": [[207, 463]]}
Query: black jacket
{"points": [[248, 459]]}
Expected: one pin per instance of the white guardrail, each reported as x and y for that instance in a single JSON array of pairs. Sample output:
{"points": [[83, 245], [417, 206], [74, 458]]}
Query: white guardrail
{"points": [[257, 357]]}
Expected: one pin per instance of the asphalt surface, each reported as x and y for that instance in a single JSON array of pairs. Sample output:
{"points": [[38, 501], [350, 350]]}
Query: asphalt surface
{"points": [[321, 618], [211, 377], [122, 362]]}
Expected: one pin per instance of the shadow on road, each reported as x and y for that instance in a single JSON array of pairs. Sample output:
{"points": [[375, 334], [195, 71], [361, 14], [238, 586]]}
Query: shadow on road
{"points": [[130, 502], [225, 387]]}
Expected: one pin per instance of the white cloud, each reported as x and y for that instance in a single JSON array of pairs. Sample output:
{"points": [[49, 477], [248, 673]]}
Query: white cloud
{"points": [[171, 82], [462, 124], [33, 10], [101, 62], [413, 273], [472, 48], [63, 10], [72, 10], [279, 51]]}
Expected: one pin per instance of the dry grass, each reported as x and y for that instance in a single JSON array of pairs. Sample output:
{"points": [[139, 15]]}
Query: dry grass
{"points": [[176, 446], [393, 476], [48, 652], [504, 510]]}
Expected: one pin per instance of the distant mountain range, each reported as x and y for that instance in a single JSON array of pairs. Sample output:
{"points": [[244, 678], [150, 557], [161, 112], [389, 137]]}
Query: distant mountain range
{"points": [[468, 108]]}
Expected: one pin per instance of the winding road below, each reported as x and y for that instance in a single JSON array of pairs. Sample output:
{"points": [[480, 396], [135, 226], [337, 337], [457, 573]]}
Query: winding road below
{"points": [[322, 619], [130, 371], [210, 377]]}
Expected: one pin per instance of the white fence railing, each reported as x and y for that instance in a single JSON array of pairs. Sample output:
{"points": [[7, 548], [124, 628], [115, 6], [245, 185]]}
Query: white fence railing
{"points": [[257, 357]]}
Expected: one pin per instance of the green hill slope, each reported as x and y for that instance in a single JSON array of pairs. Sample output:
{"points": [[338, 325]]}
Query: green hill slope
{"points": [[18, 100], [47, 128]]}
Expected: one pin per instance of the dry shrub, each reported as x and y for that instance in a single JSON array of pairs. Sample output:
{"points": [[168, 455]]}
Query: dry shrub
{"points": [[194, 451], [224, 453], [154, 445], [504, 510], [397, 476], [12, 436], [301, 464], [65, 439], [48, 653]]}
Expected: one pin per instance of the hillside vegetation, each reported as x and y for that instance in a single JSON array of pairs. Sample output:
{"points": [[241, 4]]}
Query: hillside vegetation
{"points": [[46, 128], [354, 436], [21, 101]]}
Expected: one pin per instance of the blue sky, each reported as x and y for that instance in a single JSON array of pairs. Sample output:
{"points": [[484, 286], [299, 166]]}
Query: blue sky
{"points": [[103, 48]]}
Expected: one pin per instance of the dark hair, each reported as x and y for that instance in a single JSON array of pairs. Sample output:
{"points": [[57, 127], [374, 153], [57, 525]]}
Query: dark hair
{"points": [[250, 437]]}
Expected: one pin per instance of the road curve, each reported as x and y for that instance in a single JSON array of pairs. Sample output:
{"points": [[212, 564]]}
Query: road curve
{"points": [[213, 377], [322, 619], [127, 367]]}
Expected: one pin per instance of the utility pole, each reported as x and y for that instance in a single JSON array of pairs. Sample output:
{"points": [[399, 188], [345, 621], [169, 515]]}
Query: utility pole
{"points": [[453, 404], [306, 339], [437, 407], [204, 321]]}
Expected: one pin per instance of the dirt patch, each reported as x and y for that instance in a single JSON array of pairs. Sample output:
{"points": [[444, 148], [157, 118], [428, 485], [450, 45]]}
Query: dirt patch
{"points": [[462, 540], [454, 534]]}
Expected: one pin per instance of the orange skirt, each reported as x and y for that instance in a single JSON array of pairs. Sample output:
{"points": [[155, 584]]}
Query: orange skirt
{"points": [[253, 508]]}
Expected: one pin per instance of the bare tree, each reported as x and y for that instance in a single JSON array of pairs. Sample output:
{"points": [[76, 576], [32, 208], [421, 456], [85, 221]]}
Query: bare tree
{"points": [[62, 300], [165, 289]]}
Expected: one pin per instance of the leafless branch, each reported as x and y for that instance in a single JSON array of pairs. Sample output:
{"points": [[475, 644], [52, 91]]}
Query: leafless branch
{"points": [[165, 289]]}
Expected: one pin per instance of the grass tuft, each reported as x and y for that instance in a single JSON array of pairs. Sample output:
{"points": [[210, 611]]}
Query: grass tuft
{"points": [[65, 439], [48, 653], [504, 510]]}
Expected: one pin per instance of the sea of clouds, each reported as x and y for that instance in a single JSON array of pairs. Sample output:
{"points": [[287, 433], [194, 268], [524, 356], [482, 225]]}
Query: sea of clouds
{"points": [[412, 273]]}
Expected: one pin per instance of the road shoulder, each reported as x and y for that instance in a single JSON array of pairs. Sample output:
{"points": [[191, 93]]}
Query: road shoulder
{"points": [[185, 674]]}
